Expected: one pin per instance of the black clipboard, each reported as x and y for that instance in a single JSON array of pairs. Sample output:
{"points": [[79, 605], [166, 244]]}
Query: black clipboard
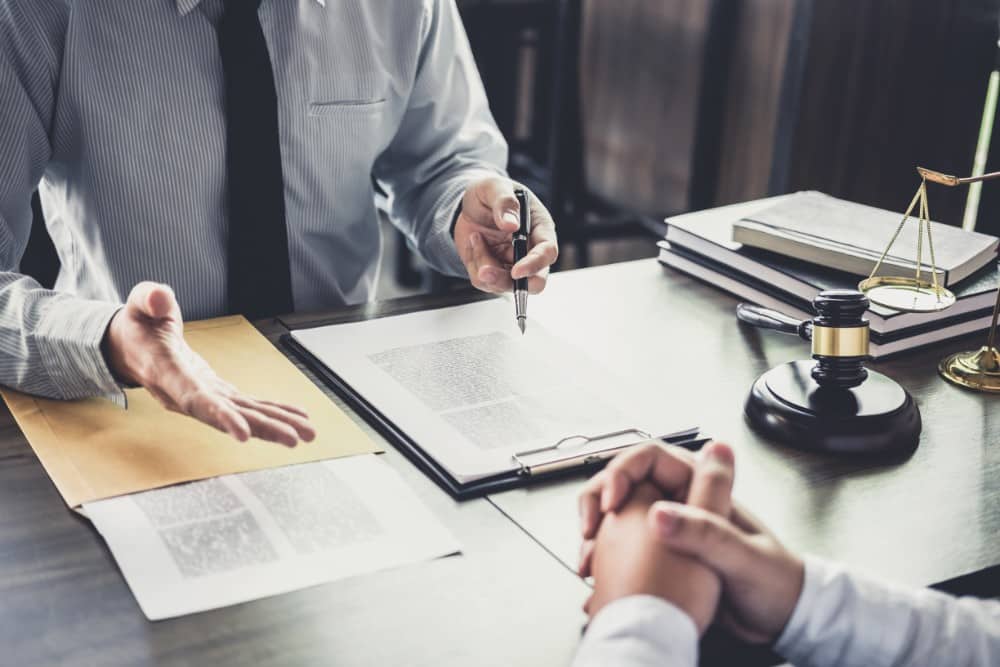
{"points": [[690, 439]]}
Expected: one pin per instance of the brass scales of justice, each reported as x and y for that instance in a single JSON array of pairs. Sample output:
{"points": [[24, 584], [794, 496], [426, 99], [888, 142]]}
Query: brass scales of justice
{"points": [[836, 405], [978, 370]]}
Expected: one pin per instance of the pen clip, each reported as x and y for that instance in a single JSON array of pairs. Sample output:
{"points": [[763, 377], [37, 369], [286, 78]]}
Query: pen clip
{"points": [[524, 213]]}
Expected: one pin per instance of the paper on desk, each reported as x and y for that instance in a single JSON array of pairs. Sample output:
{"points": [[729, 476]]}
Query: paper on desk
{"points": [[93, 449], [471, 391], [217, 542]]}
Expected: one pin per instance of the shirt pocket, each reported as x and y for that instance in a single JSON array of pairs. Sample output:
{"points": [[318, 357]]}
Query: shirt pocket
{"points": [[363, 107], [339, 147], [349, 133]]}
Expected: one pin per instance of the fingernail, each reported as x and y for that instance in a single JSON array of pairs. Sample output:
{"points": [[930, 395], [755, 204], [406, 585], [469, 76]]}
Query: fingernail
{"points": [[720, 453], [511, 217], [666, 522], [489, 277]]}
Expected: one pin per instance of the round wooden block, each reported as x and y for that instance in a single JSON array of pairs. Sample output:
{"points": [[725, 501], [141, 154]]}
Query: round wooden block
{"points": [[877, 417]]}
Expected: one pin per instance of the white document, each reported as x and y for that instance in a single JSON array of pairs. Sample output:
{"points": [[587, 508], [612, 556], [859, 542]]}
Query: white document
{"points": [[221, 541], [466, 386]]}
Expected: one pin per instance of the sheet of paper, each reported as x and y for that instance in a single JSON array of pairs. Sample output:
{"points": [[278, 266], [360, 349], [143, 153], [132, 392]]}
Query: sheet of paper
{"points": [[221, 541], [93, 449], [464, 384]]}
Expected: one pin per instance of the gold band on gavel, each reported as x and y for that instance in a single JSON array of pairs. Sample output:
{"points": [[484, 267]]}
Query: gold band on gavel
{"points": [[840, 341]]}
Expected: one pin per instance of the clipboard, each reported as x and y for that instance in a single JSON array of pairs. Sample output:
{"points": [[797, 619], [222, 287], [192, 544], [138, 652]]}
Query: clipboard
{"points": [[562, 463]]}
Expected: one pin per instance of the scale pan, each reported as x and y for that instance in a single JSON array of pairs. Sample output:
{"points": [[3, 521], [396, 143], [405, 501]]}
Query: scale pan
{"points": [[907, 295]]}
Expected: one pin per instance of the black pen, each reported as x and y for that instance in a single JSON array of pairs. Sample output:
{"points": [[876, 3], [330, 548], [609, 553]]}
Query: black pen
{"points": [[520, 241]]}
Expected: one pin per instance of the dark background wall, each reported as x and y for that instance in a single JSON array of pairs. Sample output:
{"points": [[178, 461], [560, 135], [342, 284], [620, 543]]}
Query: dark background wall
{"points": [[884, 85], [890, 84], [637, 109]]}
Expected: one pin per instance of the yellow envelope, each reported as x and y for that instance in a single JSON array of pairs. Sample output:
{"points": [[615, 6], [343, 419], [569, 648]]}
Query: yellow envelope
{"points": [[93, 449]]}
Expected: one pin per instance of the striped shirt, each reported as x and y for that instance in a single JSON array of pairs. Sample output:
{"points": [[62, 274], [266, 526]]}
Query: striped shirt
{"points": [[114, 111]]}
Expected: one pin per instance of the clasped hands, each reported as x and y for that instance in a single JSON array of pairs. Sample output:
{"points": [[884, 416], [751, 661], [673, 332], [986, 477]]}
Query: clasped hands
{"points": [[659, 520], [144, 344]]}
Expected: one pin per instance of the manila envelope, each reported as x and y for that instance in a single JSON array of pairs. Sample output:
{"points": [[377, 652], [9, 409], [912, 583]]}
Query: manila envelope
{"points": [[92, 449]]}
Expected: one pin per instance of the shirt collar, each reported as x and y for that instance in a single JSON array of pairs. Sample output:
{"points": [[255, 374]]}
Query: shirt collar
{"points": [[185, 6]]}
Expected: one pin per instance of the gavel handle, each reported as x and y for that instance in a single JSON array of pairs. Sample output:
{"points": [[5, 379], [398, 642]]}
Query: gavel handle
{"points": [[765, 318]]}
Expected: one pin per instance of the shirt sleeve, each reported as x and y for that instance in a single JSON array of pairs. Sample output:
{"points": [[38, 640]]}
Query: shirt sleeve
{"points": [[50, 343], [850, 620], [639, 631], [446, 140]]}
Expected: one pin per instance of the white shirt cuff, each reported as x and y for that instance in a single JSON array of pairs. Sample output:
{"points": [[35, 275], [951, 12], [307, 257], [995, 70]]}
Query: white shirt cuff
{"points": [[640, 631], [838, 619], [69, 336], [440, 249], [797, 630]]}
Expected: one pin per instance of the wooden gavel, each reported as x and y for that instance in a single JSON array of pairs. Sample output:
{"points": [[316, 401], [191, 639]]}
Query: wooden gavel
{"points": [[839, 335]]}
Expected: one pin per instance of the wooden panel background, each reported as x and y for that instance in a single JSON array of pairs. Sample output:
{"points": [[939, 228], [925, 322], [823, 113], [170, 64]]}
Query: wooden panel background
{"points": [[753, 94], [893, 84], [640, 71], [886, 85]]}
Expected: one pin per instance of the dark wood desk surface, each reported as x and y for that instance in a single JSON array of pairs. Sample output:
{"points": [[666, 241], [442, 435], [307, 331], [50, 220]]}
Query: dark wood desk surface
{"points": [[927, 520], [506, 601], [503, 602]]}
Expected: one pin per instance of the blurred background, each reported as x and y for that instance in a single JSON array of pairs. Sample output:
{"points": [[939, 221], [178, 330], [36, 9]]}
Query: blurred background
{"points": [[621, 112]]}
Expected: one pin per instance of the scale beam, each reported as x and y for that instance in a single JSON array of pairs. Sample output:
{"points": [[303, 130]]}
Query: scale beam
{"points": [[952, 181]]}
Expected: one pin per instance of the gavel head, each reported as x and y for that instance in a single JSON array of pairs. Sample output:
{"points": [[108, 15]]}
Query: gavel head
{"points": [[840, 338]]}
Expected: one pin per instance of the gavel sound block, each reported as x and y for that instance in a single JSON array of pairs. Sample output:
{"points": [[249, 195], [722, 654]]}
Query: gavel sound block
{"points": [[833, 404]]}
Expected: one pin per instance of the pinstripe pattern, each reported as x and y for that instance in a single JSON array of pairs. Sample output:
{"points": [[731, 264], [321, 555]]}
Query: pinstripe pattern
{"points": [[116, 109]]}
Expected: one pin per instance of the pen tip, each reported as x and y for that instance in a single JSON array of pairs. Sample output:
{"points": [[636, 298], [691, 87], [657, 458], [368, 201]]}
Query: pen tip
{"points": [[521, 324]]}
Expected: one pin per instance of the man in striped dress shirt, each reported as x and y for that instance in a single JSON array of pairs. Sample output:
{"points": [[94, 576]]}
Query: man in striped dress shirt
{"points": [[221, 156]]}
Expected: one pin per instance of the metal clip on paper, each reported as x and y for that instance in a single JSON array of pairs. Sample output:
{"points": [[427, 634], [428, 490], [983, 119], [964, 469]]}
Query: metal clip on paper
{"points": [[689, 439]]}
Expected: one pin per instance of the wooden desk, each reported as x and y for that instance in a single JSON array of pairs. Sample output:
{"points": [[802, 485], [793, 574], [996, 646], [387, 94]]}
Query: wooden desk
{"points": [[925, 521], [506, 601], [63, 600]]}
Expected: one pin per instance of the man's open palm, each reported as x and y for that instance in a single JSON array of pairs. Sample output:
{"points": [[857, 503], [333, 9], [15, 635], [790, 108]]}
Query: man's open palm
{"points": [[145, 346]]}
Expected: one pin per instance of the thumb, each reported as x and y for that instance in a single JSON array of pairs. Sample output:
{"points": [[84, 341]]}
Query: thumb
{"points": [[497, 195], [704, 535], [154, 300], [712, 482]]}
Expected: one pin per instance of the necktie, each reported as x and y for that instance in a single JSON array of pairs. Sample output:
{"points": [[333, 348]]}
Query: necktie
{"points": [[259, 278]]}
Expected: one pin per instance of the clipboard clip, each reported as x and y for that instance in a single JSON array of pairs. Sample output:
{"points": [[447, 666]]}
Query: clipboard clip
{"points": [[689, 439]]}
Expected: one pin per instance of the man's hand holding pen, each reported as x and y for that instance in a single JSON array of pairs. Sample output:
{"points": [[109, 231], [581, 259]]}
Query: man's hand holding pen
{"points": [[484, 231], [144, 343]]}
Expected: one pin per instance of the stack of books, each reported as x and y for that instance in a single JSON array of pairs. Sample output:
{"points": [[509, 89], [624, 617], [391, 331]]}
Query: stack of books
{"points": [[781, 252]]}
